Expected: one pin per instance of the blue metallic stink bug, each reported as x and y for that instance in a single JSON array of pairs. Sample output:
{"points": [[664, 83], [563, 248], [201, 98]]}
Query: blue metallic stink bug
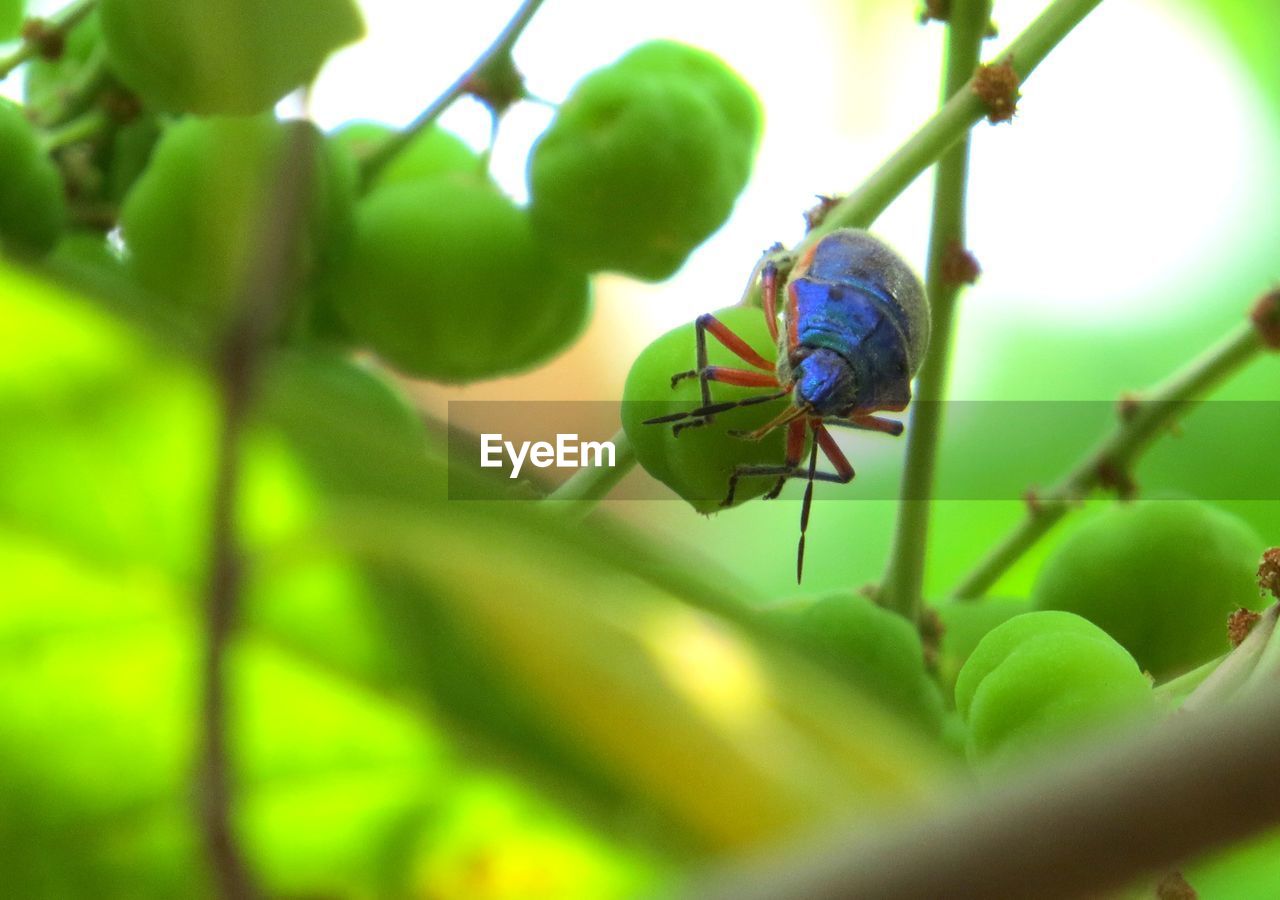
{"points": [[851, 335]]}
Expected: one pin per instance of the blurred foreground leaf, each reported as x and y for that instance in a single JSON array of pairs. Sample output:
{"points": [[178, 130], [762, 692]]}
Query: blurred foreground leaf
{"points": [[378, 611]]}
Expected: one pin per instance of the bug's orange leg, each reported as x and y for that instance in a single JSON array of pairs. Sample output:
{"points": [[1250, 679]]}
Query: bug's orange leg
{"points": [[740, 348], [795, 450], [769, 297], [740, 377], [793, 315], [777, 472], [869, 423], [832, 451], [709, 323], [842, 475]]}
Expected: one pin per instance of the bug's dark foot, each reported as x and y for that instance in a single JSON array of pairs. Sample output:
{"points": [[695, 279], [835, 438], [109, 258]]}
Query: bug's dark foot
{"points": [[694, 423], [776, 489], [681, 376]]}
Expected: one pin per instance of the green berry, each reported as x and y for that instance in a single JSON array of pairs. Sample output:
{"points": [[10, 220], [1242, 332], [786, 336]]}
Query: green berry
{"points": [[1161, 577], [964, 624], [875, 649], [223, 57], [697, 463], [128, 155], [643, 161], [32, 209], [195, 220], [732, 98], [431, 153], [1042, 677], [446, 281]]}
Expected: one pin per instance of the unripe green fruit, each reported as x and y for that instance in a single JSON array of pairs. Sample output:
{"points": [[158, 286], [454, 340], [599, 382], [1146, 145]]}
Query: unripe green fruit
{"points": [[1161, 577], [734, 100], [130, 152], [196, 219], [32, 209], [223, 57], [875, 649], [431, 153], [643, 161], [1044, 676], [964, 625], [446, 281], [697, 463]]}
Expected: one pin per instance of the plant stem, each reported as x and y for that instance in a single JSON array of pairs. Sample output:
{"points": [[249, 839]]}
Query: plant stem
{"points": [[1093, 821], [903, 584], [380, 158], [948, 125], [1114, 456], [259, 312], [79, 129], [592, 484], [60, 24]]}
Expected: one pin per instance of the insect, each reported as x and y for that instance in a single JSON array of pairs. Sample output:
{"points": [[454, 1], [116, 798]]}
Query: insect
{"points": [[851, 334]]}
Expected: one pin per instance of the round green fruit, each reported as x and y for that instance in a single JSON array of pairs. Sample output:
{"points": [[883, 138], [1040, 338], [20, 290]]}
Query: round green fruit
{"points": [[128, 155], [1046, 676], [1000, 642], [32, 209], [875, 649], [643, 161], [223, 57], [697, 463], [446, 281], [736, 102], [431, 153], [964, 624], [197, 218], [1161, 577]]}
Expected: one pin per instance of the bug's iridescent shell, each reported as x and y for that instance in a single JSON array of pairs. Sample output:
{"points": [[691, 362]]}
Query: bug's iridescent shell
{"points": [[857, 298]]}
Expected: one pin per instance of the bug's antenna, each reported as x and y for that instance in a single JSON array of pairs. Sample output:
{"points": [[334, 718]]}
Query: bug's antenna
{"points": [[716, 408], [804, 511]]}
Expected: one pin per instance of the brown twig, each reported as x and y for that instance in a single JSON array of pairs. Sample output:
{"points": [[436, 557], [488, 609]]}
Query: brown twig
{"points": [[1111, 462], [1130, 809], [257, 313], [394, 144], [45, 37]]}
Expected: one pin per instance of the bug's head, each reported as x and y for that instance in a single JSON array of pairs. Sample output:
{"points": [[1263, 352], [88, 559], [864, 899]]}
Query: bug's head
{"points": [[824, 383]]}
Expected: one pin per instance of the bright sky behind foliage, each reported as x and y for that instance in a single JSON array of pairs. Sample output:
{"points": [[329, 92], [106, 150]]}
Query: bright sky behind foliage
{"points": [[1092, 196]]}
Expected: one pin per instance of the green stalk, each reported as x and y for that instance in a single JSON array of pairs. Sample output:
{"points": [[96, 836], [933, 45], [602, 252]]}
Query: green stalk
{"points": [[396, 143], [951, 123], [592, 484], [83, 128], [902, 588], [62, 23], [1144, 421]]}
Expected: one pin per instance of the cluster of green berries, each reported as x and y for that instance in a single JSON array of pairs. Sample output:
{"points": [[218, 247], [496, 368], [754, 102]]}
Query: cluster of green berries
{"points": [[1137, 596], [419, 257]]}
